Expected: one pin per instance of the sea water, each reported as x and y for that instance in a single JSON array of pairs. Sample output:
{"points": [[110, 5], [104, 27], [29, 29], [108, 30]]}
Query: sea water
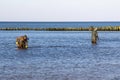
{"points": [[56, 24], [60, 55]]}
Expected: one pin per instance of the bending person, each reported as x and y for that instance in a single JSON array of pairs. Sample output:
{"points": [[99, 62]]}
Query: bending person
{"points": [[22, 42]]}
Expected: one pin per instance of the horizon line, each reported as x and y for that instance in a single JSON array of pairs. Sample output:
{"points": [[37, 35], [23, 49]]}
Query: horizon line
{"points": [[59, 21]]}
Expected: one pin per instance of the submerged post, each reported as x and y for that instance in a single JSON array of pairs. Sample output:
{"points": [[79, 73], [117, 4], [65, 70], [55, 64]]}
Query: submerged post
{"points": [[94, 37], [22, 42]]}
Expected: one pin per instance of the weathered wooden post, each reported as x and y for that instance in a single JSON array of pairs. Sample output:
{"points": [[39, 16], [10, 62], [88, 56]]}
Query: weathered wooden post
{"points": [[94, 37], [22, 42]]}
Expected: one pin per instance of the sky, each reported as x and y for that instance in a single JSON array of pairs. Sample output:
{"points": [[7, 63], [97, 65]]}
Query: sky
{"points": [[59, 10]]}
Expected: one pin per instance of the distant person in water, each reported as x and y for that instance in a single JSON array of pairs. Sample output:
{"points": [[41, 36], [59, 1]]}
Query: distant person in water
{"points": [[22, 42], [94, 35]]}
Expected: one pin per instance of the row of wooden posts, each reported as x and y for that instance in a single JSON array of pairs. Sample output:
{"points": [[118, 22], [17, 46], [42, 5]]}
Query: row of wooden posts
{"points": [[22, 41], [103, 28]]}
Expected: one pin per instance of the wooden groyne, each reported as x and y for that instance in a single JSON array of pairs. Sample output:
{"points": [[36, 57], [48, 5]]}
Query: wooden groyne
{"points": [[106, 28]]}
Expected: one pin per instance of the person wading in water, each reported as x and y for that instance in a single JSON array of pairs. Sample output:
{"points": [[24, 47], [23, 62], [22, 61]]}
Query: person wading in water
{"points": [[94, 37], [22, 42]]}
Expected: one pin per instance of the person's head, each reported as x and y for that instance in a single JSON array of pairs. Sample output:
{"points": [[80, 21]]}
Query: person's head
{"points": [[25, 37], [95, 29]]}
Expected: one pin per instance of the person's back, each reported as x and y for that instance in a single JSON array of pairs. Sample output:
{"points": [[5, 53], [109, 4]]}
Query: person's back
{"points": [[94, 35]]}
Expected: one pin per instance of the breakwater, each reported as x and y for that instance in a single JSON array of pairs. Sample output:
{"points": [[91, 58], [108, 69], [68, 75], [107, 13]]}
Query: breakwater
{"points": [[104, 28]]}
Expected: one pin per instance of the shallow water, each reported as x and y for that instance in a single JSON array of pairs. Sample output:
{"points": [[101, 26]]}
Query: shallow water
{"points": [[60, 56]]}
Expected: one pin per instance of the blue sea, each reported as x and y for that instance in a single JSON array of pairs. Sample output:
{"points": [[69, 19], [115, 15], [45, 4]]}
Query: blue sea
{"points": [[59, 55], [56, 24]]}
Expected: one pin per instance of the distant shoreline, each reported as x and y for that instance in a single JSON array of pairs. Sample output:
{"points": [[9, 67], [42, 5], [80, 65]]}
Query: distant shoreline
{"points": [[106, 28]]}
